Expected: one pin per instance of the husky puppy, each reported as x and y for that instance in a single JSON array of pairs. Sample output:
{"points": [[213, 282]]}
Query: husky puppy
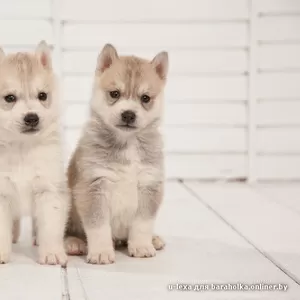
{"points": [[116, 174], [32, 178]]}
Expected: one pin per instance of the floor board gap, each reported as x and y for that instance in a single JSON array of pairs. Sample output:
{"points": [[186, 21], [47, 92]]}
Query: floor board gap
{"points": [[65, 284], [266, 255]]}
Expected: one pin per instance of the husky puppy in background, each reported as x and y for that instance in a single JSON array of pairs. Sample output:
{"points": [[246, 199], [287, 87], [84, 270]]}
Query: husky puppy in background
{"points": [[116, 174], [32, 177]]}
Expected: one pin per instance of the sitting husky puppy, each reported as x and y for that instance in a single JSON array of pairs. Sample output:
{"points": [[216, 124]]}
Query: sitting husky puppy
{"points": [[116, 174], [32, 178]]}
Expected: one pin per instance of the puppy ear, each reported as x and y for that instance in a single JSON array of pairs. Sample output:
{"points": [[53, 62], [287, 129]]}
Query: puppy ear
{"points": [[161, 64], [43, 53], [2, 54], [106, 57]]}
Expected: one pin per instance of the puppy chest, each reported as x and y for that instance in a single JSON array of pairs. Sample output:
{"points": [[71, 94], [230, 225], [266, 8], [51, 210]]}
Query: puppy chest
{"points": [[123, 199]]}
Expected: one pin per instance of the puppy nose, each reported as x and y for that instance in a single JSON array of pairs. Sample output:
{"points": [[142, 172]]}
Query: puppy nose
{"points": [[31, 119], [128, 117]]}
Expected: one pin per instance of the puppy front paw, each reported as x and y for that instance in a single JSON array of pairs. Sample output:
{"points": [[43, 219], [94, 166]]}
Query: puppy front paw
{"points": [[158, 242], [102, 257], [75, 246], [141, 250], [53, 257], [4, 256]]}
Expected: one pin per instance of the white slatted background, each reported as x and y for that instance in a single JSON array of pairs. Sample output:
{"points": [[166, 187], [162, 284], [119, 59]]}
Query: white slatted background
{"points": [[233, 97]]}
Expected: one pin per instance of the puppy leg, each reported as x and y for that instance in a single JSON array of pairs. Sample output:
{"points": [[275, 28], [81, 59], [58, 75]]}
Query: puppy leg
{"points": [[16, 231], [6, 219], [51, 211], [140, 240], [96, 222], [35, 241]]}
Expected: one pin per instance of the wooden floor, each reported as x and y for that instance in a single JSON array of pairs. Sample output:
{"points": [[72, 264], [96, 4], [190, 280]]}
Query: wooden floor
{"points": [[218, 235]]}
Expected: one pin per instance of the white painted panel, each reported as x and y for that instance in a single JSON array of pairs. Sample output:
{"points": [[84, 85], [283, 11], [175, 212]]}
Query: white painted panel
{"points": [[278, 6], [205, 166], [278, 113], [33, 32], [206, 114], [178, 114], [136, 10], [279, 86], [155, 36], [29, 9], [179, 88], [190, 61], [276, 57], [278, 167], [190, 140], [279, 140], [196, 140], [279, 29]]}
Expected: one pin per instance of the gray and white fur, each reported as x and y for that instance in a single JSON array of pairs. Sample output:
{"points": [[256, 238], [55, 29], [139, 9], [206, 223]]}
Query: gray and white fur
{"points": [[116, 174]]}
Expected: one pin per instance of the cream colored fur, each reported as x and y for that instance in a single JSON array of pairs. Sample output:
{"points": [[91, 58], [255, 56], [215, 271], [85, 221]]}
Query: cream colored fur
{"points": [[32, 179]]}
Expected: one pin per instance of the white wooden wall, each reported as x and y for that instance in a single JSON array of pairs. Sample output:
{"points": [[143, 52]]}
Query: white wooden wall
{"points": [[233, 97]]}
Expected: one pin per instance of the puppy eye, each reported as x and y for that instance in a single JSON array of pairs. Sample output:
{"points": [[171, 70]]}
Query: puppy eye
{"points": [[145, 98], [10, 98], [115, 94], [42, 96]]}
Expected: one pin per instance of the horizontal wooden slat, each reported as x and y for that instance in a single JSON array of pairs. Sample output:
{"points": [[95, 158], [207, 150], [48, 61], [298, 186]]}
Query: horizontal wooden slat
{"points": [[155, 36], [34, 31], [25, 9], [278, 140], [276, 113], [136, 10], [278, 6], [276, 57], [278, 167], [191, 140], [279, 29], [197, 140], [179, 88], [205, 166], [279, 86], [178, 114], [192, 61]]}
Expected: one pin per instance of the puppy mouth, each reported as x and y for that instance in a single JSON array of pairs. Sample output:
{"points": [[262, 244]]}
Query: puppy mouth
{"points": [[30, 130], [126, 127]]}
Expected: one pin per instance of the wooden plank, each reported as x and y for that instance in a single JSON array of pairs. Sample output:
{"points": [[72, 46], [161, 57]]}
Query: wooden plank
{"points": [[279, 57], [192, 140], [190, 228], [23, 278], [274, 167], [207, 140], [276, 113], [182, 62], [279, 29], [278, 140], [257, 219], [179, 88], [279, 86], [29, 9], [155, 10], [287, 195], [144, 36], [279, 6], [205, 166], [30, 282], [37, 31], [227, 114]]}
